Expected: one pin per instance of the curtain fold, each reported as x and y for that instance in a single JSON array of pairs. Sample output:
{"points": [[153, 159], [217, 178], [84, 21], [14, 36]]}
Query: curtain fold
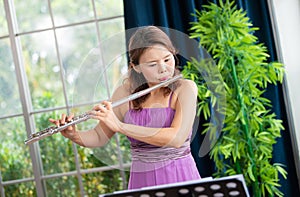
{"points": [[177, 14]]}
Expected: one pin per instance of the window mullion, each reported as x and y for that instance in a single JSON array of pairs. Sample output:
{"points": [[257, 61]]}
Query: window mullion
{"points": [[120, 158], [1, 186], [75, 151], [24, 93]]}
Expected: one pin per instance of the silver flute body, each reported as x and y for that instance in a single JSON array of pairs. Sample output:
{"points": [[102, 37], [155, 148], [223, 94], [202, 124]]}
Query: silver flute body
{"points": [[85, 116]]}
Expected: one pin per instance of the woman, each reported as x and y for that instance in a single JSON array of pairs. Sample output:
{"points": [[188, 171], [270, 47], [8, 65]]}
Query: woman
{"points": [[158, 125]]}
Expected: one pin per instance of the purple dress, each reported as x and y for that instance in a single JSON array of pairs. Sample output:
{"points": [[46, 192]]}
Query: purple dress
{"points": [[153, 165]]}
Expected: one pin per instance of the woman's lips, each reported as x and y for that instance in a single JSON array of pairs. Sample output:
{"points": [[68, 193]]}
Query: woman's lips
{"points": [[163, 78]]}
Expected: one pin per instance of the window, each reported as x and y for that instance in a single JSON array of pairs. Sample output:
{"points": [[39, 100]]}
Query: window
{"points": [[58, 56]]}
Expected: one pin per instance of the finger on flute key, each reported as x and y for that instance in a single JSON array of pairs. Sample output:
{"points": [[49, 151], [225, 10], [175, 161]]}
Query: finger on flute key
{"points": [[56, 122], [70, 118], [62, 121]]}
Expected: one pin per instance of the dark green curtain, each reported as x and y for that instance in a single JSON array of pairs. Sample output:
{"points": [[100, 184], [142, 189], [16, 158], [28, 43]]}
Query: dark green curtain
{"points": [[176, 14]]}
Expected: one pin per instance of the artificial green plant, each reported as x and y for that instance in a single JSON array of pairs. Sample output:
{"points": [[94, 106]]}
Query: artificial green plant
{"points": [[244, 143]]}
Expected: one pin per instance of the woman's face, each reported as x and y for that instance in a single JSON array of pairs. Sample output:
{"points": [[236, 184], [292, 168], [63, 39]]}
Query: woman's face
{"points": [[157, 64]]}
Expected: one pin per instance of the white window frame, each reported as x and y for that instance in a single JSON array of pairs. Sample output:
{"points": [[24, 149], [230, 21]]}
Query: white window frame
{"points": [[28, 111]]}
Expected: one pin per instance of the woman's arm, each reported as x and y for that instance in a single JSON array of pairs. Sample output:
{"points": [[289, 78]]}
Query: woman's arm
{"points": [[175, 135], [96, 137], [101, 134], [182, 123]]}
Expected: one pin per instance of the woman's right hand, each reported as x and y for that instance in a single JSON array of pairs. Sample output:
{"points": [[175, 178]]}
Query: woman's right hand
{"points": [[69, 132]]}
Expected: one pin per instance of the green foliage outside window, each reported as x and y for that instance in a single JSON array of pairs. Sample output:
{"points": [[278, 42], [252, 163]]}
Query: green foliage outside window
{"points": [[40, 63], [57, 157], [15, 162]]}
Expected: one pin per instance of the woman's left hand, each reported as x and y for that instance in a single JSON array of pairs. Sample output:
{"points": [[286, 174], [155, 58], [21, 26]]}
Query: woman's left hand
{"points": [[104, 113]]}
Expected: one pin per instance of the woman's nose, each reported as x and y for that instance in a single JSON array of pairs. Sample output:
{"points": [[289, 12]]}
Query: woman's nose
{"points": [[162, 67]]}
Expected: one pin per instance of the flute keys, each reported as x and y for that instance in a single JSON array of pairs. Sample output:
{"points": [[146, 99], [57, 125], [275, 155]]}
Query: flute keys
{"points": [[38, 134]]}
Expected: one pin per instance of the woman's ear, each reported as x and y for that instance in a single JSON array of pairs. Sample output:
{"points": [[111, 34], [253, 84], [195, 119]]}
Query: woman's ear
{"points": [[136, 68]]}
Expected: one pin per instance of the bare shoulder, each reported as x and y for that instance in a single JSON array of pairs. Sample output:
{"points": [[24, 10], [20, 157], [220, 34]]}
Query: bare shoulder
{"points": [[187, 91], [187, 85], [121, 91]]}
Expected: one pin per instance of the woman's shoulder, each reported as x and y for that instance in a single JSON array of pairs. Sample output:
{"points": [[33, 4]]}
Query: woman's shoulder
{"points": [[187, 84], [123, 90]]}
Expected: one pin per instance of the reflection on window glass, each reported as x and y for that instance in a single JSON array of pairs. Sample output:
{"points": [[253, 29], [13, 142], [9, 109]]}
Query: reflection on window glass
{"points": [[3, 23], [113, 50], [32, 15], [42, 69], [104, 156], [9, 96], [109, 154], [109, 28], [109, 8], [71, 11], [83, 69], [14, 154]]}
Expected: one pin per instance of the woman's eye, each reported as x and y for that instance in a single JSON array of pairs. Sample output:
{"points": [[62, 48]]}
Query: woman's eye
{"points": [[166, 60]]}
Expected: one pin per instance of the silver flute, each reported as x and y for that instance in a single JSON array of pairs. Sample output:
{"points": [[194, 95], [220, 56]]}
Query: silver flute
{"points": [[85, 116]]}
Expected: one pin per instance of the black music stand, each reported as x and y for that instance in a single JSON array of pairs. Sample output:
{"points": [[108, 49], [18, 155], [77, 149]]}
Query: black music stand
{"points": [[230, 186]]}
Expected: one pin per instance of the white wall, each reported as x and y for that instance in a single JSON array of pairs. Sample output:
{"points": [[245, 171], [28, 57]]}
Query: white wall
{"points": [[286, 16]]}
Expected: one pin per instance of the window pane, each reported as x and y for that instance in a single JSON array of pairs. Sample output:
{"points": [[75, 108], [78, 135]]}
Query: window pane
{"points": [[88, 124], [63, 186], [85, 154], [3, 23], [109, 8], [9, 95], [23, 189], [104, 156], [90, 74], [42, 69], [84, 72], [113, 51], [71, 11], [56, 151], [14, 154], [102, 182], [37, 17], [109, 155], [113, 28]]}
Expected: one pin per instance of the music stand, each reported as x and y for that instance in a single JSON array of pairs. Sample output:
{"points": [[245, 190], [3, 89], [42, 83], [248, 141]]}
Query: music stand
{"points": [[230, 186]]}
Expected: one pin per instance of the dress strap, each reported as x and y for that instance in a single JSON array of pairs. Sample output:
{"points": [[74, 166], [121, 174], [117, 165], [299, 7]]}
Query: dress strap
{"points": [[129, 104], [170, 99]]}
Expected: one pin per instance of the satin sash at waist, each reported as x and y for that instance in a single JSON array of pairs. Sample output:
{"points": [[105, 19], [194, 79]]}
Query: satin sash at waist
{"points": [[149, 153]]}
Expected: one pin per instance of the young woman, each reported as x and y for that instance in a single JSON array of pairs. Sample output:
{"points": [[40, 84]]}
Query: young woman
{"points": [[158, 125]]}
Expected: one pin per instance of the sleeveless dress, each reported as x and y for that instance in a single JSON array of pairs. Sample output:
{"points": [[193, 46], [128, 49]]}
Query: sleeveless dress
{"points": [[153, 165]]}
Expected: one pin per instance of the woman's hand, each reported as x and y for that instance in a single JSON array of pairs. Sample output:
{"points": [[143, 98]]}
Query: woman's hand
{"points": [[69, 132], [104, 113]]}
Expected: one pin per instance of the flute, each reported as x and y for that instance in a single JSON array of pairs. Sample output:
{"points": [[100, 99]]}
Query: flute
{"points": [[83, 117]]}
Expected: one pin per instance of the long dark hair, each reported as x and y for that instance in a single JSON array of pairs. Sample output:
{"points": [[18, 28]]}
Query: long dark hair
{"points": [[139, 42]]}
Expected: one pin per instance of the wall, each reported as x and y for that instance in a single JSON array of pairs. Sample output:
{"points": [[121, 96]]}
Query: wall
{"points": [[286, 22]]}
